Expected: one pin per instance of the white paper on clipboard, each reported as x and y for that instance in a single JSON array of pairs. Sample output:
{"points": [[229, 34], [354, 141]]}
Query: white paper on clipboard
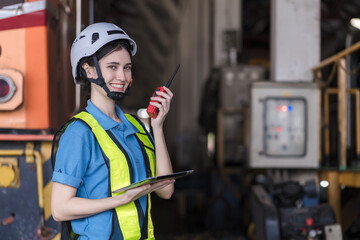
{"points": [[153, 180]]}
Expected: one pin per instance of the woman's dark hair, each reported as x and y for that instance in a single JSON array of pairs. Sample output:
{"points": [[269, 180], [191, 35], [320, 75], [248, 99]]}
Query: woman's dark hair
{"points": [[103, 51], [109, 48]]}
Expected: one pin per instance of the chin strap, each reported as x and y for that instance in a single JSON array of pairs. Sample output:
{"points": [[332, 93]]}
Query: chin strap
{"points": [[101, 82]]}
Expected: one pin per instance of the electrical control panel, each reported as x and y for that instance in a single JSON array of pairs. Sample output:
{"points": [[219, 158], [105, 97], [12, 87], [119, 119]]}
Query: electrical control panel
{"points": [[284, 125]]}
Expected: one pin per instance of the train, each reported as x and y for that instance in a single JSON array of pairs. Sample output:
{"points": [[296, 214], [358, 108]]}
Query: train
{"points": [[37, 95]]}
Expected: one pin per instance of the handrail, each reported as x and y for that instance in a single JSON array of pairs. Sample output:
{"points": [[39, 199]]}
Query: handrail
{"points": [[337, 56], [339, 64]]}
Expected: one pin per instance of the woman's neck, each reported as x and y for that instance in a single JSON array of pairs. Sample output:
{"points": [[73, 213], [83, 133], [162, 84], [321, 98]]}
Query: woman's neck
{"points": [[106, 105]]}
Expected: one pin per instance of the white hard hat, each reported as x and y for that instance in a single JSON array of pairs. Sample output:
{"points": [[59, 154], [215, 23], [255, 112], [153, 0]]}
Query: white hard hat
{"points": [[91, 39]]}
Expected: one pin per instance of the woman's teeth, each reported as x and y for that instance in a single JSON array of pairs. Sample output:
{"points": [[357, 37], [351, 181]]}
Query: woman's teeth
{"points": [[118, 85]]}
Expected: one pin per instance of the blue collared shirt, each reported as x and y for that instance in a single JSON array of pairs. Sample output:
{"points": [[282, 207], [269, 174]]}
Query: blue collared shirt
{"points": [[80, 164]]}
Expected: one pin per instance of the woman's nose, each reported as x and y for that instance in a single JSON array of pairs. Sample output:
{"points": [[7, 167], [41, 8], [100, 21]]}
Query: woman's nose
{"points": [[120, 74]]}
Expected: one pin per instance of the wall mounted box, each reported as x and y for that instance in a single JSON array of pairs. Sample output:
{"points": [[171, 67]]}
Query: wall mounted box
{"points": [[285, 125]]}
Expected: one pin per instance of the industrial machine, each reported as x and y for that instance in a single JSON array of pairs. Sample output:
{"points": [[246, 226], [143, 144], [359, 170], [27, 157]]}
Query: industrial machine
{"points": [[37, 95], [285, 125], [279, 211], [232, 115]]}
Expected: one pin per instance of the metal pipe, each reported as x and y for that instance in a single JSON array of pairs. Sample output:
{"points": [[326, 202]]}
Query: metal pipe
{"points": [[342, 117], [348, 41], [357, 127], [40, 177], [327, 127], [91, 11], [40, 185], [334, 91], [12, 152], [334, 197], [220, 139], [78, 30]]}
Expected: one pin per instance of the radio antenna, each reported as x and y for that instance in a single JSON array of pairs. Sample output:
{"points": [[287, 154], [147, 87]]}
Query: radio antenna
{"points": [[172, 77]]}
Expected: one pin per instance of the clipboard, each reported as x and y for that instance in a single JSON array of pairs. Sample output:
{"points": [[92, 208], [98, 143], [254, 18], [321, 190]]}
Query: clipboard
{"points": [[153, 180]]}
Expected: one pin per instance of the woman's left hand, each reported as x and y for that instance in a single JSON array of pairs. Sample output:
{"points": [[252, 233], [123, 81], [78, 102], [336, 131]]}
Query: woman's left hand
{"points": [[162, 102]]}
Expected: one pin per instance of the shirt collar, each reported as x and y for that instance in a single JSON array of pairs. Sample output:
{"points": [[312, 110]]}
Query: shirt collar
{"points": [[106, 122], [129, 127]]}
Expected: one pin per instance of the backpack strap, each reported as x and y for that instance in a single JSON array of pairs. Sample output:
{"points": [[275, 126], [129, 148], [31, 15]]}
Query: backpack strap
{"points": [[56, 137]]}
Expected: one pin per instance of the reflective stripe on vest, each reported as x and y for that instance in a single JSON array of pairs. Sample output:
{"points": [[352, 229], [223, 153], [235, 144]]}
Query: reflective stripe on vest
{"points": [[128, 216], [149, 147]]}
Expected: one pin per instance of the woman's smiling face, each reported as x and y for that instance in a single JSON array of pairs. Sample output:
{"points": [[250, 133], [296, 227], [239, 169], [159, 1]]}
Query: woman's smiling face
{"points": [[116, 70]]}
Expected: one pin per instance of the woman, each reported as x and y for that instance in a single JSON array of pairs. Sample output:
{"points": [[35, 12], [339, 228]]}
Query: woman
{"points": [[103, 149]]}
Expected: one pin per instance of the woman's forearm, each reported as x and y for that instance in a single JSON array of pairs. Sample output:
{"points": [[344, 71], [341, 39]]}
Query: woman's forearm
{"points": [[163, 162], [65, 206]]}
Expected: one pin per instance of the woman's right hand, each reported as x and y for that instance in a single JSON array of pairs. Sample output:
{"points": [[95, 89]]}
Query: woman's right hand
{"points": [[66, 206], [135, 193]]}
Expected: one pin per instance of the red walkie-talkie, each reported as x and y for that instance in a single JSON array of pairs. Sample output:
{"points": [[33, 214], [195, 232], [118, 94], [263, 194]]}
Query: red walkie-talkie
{"points": [[152, 110]]}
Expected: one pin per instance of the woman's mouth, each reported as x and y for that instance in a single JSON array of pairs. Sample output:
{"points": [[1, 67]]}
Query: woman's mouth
{"points": [[117, 87]]}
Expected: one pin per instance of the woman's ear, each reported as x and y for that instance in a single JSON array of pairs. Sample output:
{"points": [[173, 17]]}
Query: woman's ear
{"points": [[88, 70]]}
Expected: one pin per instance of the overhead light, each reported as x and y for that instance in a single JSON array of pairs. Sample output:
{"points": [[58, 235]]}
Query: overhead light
{"points": [[355, 22], [324, 183]]}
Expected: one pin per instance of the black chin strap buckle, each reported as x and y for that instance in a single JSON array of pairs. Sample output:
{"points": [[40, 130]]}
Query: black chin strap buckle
{"points": [[116, 95]]}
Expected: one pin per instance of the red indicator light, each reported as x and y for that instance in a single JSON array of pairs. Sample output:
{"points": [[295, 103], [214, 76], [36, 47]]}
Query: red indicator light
{"points": [[309, 221], [4, 88], [278, 108], [279, 129], [7, 88]]}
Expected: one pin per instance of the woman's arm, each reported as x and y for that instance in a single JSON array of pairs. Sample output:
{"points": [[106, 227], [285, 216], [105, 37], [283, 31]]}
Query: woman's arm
{"points": [[163, 162], [66, 206]]}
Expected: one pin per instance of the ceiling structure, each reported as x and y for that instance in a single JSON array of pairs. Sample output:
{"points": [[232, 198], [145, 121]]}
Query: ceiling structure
{"points": [[335, 19], [155, 25]]}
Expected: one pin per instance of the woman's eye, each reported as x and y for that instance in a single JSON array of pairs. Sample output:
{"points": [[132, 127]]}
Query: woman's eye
{"points": [[127, 67], [113, 67]]}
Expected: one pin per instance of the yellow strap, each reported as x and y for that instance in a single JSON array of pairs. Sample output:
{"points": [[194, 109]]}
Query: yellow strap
{"points": [[119, 177], [119, 169], [142, 131], [151, 154], [142, 135], [150, 223]]}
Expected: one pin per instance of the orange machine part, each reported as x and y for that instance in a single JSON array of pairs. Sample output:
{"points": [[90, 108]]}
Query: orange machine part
{"points": [[12, 56], [25, 50], [39, 52], [36, 78]]}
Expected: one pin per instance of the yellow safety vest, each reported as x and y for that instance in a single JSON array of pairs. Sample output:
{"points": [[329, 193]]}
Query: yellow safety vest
{"points": [[121, 174]]}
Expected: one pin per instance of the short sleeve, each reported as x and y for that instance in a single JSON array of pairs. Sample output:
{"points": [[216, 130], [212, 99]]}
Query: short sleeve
{"points": [[73, 155]]}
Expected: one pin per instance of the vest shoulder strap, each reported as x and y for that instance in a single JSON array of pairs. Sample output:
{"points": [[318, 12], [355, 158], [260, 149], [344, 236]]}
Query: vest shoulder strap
{"points": [[142, 129]]}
